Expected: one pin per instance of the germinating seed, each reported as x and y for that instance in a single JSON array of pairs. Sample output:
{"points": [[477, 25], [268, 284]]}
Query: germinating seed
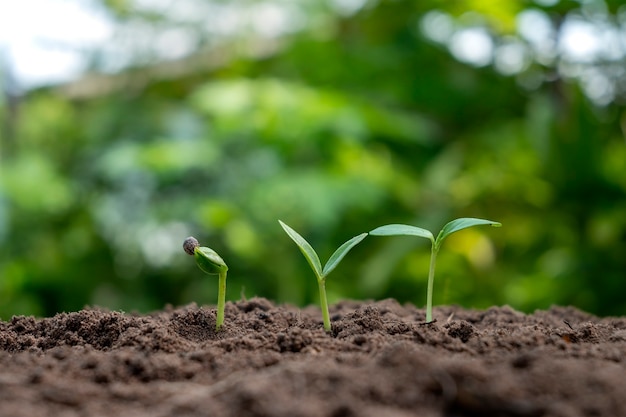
{"points": [[190, 244]]}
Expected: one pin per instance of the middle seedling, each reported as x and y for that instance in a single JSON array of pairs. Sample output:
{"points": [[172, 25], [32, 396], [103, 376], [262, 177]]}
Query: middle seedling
{"points": [[321, 273]]}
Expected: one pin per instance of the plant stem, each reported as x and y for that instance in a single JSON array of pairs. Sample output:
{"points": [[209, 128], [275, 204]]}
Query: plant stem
{"points": [[221, 301], [431, 279], [324, 304]]}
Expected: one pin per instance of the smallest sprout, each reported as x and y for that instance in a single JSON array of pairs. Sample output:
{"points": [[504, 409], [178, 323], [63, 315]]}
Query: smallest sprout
{"points": [[211, 263]]}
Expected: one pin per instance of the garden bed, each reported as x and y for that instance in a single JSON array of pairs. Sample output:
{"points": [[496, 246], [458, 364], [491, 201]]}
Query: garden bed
{"points": [[380, 360]]}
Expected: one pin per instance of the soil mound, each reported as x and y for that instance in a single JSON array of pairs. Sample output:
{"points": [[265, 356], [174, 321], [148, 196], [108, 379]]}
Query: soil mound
{"points": [[381, 359]]}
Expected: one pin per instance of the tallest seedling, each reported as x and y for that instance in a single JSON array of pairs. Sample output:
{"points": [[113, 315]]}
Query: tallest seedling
{"points": [[448, 229]]}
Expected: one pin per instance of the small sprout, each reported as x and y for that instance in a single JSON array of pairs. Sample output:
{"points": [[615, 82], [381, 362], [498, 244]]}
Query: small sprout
{"points": [[316, 265], [210, 262], [448, 229]]}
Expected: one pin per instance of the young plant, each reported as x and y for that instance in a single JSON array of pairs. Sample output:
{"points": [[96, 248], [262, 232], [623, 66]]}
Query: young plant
{"points": [[448, 229], [316, 265], [210, 262]]}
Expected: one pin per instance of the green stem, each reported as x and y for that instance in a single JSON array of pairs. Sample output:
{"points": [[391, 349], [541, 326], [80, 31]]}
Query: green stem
{"points": [[221, 301], [431, 279], [324, 304]]}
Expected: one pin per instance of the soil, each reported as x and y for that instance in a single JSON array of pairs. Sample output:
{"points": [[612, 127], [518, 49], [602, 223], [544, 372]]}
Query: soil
{"points": [[381, 359]]}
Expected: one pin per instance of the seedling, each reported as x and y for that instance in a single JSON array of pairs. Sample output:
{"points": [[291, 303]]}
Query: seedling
{"points": [[316, 266], [210, 262], [448, 229]]}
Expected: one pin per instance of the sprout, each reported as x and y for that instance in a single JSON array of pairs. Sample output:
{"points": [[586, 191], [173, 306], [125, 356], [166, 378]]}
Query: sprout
{"points": [[210, 262], [448, 229], [314, 262]]}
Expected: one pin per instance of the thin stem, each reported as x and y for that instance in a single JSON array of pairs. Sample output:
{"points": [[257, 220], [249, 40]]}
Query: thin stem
{"points": [[431, 279], [221, 301], [324, 304]]}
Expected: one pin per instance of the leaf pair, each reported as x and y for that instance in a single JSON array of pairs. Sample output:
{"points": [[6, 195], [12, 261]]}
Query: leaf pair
{"points": [[311, 256], [448, 229]]}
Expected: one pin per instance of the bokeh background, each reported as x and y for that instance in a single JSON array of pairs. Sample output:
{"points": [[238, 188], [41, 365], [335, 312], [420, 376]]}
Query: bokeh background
{"points": [[217, 118]]}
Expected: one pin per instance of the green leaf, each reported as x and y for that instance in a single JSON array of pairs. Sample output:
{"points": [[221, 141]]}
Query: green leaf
{"points": [[306, 249], [341, 252], [209, 261], [460, 224], [402, 229]]}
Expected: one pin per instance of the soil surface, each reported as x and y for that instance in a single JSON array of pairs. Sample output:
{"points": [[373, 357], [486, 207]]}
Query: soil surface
{"points": [[381, 359]]}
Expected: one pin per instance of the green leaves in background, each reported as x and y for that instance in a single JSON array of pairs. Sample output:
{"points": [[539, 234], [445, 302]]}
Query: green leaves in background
{"points": [[386, 127]]}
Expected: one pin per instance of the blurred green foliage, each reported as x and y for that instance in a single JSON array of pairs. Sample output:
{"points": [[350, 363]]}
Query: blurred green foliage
{"points": [[351, 123]]}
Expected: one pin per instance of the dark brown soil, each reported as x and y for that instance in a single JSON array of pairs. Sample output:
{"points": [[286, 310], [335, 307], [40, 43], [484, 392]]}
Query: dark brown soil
{"points": [[268, 360]]}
